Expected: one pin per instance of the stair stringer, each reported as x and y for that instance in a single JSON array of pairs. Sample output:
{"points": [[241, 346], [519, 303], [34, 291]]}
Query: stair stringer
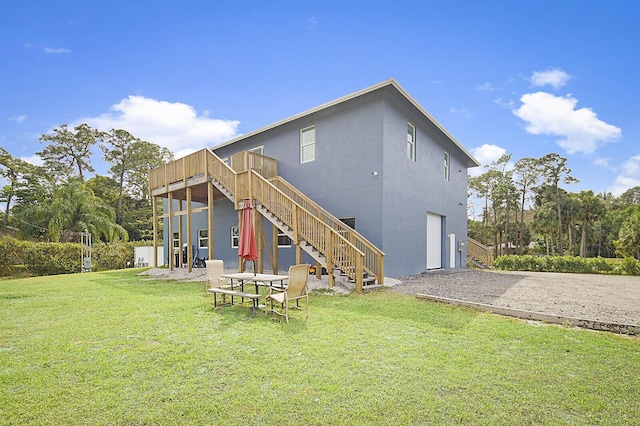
{"points": [[304, 245]]}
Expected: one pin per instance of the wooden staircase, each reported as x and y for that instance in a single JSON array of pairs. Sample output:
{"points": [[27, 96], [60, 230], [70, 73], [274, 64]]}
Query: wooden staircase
{"points": [[325, 238], [479, 254]]}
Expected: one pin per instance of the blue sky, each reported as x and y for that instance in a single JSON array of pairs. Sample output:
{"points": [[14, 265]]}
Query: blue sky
{"points": [[520, 77]]}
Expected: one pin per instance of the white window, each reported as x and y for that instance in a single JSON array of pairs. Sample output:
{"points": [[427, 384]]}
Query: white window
{"points": [[446, 166], [176, 240], [225, 160], [411, 142], [258, 150], [308, 144], [203, 238], [235, 237], [283, 239]]}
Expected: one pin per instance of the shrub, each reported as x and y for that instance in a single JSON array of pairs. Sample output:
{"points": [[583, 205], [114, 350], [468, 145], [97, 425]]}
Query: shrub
{"points": [[565, 264], [630, 266], [52, 258], [113, 255], [12, 252], [600, 265]]}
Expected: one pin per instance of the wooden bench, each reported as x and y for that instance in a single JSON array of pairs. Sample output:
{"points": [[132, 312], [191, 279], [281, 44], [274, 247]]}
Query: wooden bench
{"points": [[253, 296]]}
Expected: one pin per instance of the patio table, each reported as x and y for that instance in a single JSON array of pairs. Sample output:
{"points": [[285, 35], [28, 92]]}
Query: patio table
{"points": [[268, 280]]}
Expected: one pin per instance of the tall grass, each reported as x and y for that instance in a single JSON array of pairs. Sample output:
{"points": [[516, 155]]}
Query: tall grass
{"points": [[116, 348]]}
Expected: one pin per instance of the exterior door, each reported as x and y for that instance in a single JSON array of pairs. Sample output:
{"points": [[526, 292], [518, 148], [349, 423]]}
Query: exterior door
{"points": [[434, 241]]}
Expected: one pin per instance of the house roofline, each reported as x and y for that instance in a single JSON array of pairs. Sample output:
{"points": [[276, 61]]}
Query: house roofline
{"points": [[472, 162]]}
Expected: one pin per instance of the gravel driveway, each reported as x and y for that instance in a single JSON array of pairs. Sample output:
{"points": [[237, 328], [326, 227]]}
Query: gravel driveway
{"points": [[610, 298]]}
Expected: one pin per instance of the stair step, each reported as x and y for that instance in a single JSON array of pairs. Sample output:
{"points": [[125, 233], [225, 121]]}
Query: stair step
{"points": [[371, 287]]}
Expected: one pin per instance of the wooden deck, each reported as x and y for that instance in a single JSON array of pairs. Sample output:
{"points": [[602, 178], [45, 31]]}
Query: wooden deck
{"points": [[203, 177]]}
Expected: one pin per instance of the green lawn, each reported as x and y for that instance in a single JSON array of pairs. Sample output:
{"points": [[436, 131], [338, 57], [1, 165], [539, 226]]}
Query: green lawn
{"points": [[116, 348]]}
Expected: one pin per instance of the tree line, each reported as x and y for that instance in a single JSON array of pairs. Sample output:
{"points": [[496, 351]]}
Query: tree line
{"points": [[525, 210], [56, 202]]}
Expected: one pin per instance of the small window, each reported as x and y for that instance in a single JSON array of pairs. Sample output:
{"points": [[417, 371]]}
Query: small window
{"points": [[283, 239], [225, 160], [411, 142], [446, 166], [203, 238], [308, 144], [235, 237], [176, 240], [258, 150]]}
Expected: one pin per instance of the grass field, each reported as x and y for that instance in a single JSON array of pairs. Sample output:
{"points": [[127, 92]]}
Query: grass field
{"points": [[117, 348]]}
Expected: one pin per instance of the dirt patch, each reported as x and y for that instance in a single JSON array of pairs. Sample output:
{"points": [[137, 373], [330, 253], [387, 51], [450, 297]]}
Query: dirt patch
{"points": [[609, 298]]}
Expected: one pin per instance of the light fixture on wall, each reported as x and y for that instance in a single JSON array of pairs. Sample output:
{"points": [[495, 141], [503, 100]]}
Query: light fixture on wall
{"points": [[374, 173]]}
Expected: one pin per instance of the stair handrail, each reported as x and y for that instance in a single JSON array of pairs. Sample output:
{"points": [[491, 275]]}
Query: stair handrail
{"points": [[373, 262], [338, 251], [477, 250]]}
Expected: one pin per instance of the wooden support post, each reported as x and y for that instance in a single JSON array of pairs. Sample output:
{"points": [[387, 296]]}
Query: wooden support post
{"points": [[259, 228], [359, 274], [380, 271], [154, 206], [274, 244], [266, 248], [240, 260], [329, 257], [210, 222], [180, 233], [170, 223], [189, 232], [318, 270]]}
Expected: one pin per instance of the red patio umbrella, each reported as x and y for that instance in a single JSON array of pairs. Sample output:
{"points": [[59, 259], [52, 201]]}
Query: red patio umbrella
{"points": [[248, 249]]}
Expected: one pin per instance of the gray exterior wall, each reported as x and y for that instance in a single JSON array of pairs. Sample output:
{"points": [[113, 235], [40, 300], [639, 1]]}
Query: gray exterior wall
{"points": [[354, 139]]}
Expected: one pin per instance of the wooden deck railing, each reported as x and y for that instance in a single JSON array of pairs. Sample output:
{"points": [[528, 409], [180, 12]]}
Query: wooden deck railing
{"points": [[247, 160], [373, 256], [479, 251], [338, 251], [338, 243]]}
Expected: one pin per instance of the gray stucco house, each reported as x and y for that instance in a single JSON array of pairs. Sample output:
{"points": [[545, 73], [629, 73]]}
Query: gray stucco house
{"points": [[375, 159]]}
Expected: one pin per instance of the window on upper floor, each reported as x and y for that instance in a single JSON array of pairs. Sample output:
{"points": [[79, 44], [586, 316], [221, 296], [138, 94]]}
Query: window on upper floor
{"points": [[235, 236], [411, 142], [203, 238], [258, 150], [176, 240], [308, 144], [447, 165]]}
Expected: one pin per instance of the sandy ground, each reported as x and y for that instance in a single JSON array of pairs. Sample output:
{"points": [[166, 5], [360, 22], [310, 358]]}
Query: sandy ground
{"points": [[609, 298]]}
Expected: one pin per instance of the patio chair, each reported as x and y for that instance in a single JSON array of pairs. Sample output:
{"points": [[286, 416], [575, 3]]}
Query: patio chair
{"points": [[215, 268], [296, 289]]}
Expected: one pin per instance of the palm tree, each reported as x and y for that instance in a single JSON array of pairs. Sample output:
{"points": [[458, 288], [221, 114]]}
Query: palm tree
{"points": [[75, 208]]}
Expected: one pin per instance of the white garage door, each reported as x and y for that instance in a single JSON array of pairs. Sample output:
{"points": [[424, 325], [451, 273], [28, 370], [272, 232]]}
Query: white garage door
{"points": [[434, 241]]}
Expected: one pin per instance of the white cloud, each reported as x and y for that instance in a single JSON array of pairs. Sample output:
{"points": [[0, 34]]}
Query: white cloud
{"points": [[579, 130], [485, 154], [176, 125], [34, 159], [313, 23], [504, 102], [554, 77], [18, 118], [55, 50], [628, 177], [485, 87], [602, 162], [462, 111]]}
